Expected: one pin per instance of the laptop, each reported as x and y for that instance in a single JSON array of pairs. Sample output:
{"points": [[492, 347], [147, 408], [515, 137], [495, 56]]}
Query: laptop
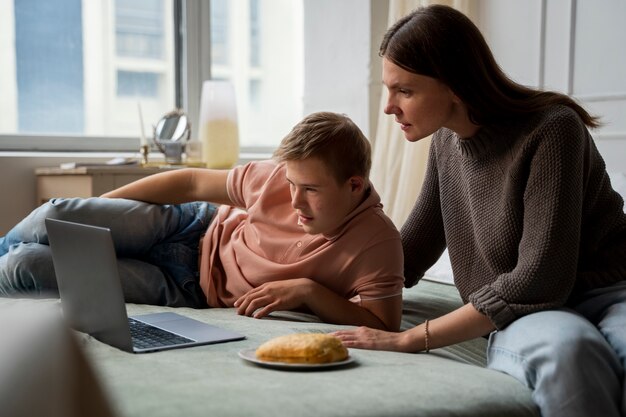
{"points": [[92, 300]]}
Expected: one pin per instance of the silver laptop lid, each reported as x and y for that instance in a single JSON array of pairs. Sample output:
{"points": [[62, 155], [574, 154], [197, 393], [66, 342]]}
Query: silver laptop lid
{"points": [[91, 293], [89, 286]]}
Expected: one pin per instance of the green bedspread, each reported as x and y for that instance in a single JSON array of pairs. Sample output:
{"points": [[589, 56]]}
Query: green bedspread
{"points": [[213, 381], [44, 371]]}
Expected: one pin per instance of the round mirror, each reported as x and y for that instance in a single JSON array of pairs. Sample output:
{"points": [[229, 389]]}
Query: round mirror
{"points": [[170, 134], [174, 126]]}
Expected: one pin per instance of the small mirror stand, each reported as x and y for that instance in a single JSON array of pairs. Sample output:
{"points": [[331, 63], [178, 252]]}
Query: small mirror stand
{"points": [[170, 135]]}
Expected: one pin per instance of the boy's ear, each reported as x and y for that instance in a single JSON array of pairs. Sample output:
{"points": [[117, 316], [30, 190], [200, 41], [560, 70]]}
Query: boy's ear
{"points": [[357, 184]]}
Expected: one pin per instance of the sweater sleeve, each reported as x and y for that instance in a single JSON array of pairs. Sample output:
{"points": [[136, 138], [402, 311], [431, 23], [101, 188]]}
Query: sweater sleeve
{"points": [[545, 272], [423, 239]]}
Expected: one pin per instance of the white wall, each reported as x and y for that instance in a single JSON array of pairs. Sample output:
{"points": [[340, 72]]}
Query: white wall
{"points": [[572, 46], [336, 62]]}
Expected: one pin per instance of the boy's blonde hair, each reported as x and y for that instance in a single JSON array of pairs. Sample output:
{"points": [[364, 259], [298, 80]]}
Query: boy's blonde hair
{"points": [[333, 138]]}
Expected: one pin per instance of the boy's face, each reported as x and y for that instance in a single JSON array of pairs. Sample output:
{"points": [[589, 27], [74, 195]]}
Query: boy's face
{"points": [[321, 203]]}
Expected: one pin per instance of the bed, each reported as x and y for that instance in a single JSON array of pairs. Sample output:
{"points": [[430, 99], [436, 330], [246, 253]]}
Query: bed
{"points": [[46, 370], [214, 381]]}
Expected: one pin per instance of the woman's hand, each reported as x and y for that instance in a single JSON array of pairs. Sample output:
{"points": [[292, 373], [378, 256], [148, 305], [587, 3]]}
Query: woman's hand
{"points": [[462, 324], [366, 338]]}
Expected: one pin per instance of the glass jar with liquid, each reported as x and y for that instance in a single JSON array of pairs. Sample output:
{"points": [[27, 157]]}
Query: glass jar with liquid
{"points": [[218, 128]]}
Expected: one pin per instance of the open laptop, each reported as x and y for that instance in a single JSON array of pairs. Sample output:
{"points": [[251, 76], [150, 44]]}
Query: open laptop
{"points": [[92, 300]]}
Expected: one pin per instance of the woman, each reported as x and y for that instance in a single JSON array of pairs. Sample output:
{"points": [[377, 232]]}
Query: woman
{"points": [[517, 191]]}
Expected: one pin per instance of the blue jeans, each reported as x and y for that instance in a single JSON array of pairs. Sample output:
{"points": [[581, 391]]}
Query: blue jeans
{"points": [[156, 245], [572, 359]]}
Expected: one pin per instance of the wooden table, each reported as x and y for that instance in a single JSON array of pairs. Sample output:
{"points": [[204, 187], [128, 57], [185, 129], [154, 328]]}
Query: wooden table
{"points": [[88, 181]]}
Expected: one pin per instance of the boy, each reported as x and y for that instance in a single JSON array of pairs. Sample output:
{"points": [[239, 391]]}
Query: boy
{"points": [[305, 231]]}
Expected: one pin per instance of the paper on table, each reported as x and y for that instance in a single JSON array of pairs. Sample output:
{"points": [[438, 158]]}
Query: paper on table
{"points": [[112, 162]]}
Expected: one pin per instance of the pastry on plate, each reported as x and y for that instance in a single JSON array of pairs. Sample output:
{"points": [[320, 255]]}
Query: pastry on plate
{"points": [[311, 348]]}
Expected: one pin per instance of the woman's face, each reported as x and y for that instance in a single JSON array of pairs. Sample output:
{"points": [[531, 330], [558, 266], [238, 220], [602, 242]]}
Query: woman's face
{"points": [[420, 104]]}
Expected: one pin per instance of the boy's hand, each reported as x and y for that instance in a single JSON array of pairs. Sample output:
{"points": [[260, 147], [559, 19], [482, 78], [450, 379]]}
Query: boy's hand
{"points": [[330, 307], [273, 296]]}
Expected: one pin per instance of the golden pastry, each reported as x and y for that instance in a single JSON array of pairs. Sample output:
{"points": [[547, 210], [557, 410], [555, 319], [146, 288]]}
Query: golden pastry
{"points": [[303, 348]]}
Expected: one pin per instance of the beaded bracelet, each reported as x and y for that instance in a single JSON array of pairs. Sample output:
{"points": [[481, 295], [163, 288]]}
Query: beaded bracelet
{"points": [[426, 336]]}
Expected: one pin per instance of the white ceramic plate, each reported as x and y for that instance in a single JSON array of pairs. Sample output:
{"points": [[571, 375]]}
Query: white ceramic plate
{"points": [[250, 356]]}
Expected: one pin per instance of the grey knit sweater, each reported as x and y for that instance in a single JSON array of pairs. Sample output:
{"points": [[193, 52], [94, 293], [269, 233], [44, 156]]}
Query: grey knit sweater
{"points": [[527, 212]]}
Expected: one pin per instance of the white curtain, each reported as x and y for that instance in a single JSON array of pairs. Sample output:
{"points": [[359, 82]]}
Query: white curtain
{"points": [[398, 166]]}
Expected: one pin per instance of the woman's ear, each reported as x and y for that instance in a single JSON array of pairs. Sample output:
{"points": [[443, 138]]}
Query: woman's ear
{"points": [[455, 98]]}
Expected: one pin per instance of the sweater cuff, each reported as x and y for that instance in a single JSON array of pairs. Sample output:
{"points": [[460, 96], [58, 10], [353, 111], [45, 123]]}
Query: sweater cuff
{"points": [[411, 278], [486, 301]]}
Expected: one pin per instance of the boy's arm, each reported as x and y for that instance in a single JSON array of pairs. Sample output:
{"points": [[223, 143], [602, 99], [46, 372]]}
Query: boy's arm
{"points": [[384, 313], [177, 186]]}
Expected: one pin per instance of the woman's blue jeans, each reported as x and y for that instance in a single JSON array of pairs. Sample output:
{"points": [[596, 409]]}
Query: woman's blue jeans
{"points": [[157, 248], [572, 359]]}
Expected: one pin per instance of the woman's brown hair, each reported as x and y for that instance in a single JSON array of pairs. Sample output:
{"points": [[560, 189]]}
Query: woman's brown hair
{"points": [[441, 42]]}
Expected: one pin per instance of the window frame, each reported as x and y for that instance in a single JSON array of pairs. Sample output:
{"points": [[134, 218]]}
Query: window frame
{"points": [[193, 66]]}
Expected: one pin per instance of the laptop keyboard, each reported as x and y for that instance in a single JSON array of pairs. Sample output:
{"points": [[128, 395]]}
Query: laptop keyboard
{"points": [[146, 336]]}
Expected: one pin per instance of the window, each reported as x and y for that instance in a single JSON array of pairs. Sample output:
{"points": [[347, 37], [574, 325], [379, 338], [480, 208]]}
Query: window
{"points": [[137, 84], [139, 28], [219, 33], [257, 45], [50, 96], [75, 71]]}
